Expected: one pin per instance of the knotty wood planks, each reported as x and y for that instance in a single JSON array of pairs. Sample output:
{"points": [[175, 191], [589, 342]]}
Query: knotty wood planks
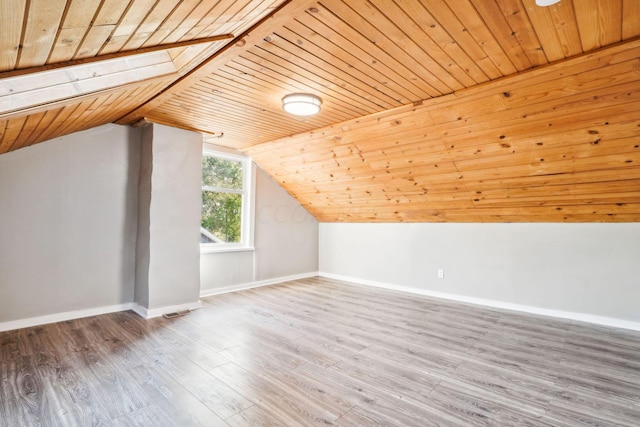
{"points": [[368, 57], [43, 32], [38, 34], [460, 157], [421, 98]]}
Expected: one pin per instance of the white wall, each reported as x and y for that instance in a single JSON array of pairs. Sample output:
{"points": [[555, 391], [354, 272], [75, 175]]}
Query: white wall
{"points": [[68, 212], [578, 268], [286, 243]]}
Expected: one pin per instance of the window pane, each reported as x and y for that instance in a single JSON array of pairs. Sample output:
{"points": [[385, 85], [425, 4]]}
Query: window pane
{"points": [[221, 173], [221, 217]]}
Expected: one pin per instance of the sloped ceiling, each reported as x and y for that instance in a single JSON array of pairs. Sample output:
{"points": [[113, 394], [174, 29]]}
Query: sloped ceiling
{"points": [[433, 110], [38, 35]]}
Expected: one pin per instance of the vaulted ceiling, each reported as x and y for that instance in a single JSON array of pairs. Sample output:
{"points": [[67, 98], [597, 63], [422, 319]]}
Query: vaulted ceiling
{"points": [[433, 110]]}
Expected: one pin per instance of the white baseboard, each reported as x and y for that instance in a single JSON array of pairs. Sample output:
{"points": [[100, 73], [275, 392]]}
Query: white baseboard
{"points": [[581, 317], [157, 312], [61, 317], [140, 310], [147, 313], [251, 285]]}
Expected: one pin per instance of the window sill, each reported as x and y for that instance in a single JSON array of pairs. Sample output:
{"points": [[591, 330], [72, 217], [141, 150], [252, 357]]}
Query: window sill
{"points": [[214, 250]]}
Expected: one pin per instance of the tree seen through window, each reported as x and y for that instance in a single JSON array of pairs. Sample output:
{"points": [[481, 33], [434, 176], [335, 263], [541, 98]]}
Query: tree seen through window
{"points": [[222, 194]]}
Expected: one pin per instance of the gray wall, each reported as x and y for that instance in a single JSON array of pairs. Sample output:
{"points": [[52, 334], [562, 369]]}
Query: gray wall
{"points": [[68, 212], [286, 235], [99, 219], [170, 209], [579, 268], [286, 243]]}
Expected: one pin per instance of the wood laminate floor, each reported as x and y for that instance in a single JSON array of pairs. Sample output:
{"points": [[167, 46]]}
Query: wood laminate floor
{"points": [[320, 352]]}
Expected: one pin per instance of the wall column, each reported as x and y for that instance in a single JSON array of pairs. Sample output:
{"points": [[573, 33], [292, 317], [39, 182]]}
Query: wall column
{"points": [[169, 202]]}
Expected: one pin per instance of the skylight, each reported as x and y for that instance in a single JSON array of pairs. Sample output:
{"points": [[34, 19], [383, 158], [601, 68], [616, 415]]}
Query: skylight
{"points": [[44, 87]]}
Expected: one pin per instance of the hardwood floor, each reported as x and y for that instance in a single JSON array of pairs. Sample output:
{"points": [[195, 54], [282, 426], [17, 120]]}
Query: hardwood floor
{"points": [[320, 352]]}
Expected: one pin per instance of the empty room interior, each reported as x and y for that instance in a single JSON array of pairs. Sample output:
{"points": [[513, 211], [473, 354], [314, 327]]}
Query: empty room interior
{"points": [[338, 213]]}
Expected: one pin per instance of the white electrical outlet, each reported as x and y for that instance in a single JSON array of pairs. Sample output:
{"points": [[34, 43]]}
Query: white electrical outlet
{"points": [[440, 273]]}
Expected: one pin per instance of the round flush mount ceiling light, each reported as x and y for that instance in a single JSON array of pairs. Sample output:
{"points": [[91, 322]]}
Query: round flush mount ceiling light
{"points": [[545, 3], [301, 104]]}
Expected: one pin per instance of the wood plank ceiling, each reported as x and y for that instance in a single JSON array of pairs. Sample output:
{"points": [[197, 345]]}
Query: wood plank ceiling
{"points": [[433, 110], [36, 35]]}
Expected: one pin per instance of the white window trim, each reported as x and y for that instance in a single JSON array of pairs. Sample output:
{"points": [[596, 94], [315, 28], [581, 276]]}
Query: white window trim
{"points": [[248, 205]]}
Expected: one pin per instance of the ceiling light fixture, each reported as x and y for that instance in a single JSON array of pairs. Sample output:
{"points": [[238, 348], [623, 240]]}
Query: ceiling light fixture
{"points": [[301, 104], [545, 3]]}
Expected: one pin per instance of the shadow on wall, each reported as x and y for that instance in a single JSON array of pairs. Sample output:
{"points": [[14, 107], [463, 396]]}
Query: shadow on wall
{"points": [[282, 214], [130, 224]]}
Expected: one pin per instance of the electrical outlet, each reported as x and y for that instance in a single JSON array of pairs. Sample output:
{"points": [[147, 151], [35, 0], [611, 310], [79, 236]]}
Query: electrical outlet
{"points": [[440, 273]]}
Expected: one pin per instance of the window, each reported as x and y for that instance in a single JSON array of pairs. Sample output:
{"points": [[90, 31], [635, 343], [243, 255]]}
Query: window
{"points": [[225, 222]]}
